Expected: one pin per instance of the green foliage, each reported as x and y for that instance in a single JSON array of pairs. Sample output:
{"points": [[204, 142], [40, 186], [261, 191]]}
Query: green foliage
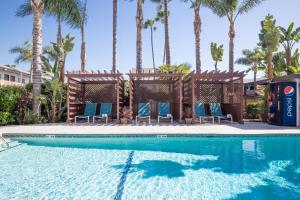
{"points": [[253, 111], [264, 107], [9, 97], [269, 36], [216, 53], [255, 59], [185, 68]]}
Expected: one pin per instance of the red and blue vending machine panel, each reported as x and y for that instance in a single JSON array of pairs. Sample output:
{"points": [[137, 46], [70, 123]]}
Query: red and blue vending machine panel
{"points": [[289, 104]]}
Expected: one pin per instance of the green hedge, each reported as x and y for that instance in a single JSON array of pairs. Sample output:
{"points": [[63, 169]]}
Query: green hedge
{"points": [[9, 98]]}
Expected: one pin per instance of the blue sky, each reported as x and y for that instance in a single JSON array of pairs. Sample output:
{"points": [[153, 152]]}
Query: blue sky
{"points": [[15, 31]]}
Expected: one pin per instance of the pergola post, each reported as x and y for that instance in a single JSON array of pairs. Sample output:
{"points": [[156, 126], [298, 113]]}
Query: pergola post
{"points": [[193, 95], [68, 101]]}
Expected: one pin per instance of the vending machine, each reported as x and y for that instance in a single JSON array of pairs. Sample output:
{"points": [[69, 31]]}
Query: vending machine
{"points": [[283, 103]]}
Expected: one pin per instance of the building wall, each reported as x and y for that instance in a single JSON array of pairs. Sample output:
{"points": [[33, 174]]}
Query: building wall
{"points": [[13, 77]]}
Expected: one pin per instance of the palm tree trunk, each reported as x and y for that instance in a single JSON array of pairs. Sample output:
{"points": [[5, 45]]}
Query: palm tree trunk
{"points": [[31, 73], [36, 54], [270, 65], [231, 45], [197, 32], [216, 66], [288, 57], [152, 47], [167, 38], [82, 30], [139, 24], [59, 45], [83, 51], [115, 14]]}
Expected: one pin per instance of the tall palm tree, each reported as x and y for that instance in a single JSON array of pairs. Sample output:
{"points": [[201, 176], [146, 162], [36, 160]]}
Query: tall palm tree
{"points": [[289, 37], [196, 5], [82, 23], [62, 10], [166, 13], [255, 60], [24, 54], [231, 9], [115, 18], [150, 24], [139, 26], [37, 8], [269, 39]]}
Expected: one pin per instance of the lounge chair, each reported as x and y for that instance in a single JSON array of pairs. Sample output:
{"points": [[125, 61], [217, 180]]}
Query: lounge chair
{"points": [[143, 112], [105, 112], [89, 111], [216, 111], [164, 111], [201, 114]]}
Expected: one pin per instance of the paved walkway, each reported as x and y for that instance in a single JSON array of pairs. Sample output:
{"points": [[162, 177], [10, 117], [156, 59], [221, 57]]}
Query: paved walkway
{"points": [[249, 128]]}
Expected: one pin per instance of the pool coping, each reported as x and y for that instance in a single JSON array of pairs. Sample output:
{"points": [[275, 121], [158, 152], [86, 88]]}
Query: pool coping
{"points": [[248, 129]]}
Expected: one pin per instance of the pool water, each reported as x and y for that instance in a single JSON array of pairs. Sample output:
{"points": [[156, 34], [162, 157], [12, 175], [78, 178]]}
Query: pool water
{"points": [[151, 168]]}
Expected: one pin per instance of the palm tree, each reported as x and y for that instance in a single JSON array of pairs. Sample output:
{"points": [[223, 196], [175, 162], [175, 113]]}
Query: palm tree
{"points": [[216, 53], [24, 54], [37, 8], [115, 18], [62, 10], [289, 37], [166, 13], [53, 53], [255, 60], [196, 5], [269, 41], [231, 9], [150, 24], [139, 26]]}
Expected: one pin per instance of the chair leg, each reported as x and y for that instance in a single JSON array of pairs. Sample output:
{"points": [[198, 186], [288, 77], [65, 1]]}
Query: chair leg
{"points": [[219, 119], [172, 120], [75, 120], [106, 120], [149, 120], [200, 120], [136, 120], [158, 119]]}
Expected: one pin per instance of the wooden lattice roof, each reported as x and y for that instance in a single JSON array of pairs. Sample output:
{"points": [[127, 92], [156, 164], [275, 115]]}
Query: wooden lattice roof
{"points": [[216, 76], [94, 76], [173, 76]]}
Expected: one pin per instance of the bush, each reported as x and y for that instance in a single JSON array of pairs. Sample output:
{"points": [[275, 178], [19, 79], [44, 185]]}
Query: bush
{"points": [[253, 111], [9, 98]]}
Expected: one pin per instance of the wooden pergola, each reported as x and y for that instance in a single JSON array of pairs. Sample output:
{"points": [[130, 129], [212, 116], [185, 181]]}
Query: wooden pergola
{"points": [[216, 87], [154, 87], [96, 87]]}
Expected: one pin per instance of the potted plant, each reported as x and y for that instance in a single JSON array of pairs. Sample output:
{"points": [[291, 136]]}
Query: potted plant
{"points": [[188, 115], [126, 115]]}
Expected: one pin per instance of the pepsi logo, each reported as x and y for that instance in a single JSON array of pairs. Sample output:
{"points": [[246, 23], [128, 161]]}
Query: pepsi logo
{"points": [[289, 90]]}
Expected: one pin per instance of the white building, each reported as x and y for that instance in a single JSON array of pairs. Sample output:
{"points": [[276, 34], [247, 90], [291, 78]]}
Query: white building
{"points": [[11, 76]]}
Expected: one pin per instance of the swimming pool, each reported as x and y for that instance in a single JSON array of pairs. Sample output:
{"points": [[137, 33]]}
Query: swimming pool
{"points": [[151, 168]]}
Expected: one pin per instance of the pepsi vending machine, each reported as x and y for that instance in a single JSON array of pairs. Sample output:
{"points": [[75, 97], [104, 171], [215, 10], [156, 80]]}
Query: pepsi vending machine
{"points": [[283, 104]]}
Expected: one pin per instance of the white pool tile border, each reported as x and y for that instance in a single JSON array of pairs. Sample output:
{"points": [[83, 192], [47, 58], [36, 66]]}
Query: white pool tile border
{"points": [[249, 128]]}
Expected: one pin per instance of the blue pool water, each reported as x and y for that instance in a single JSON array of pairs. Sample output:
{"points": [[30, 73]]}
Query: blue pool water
{"points": [[151, 168]]}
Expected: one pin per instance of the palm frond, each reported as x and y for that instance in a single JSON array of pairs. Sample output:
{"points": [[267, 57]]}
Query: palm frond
{"points": [[247, 5], [24, 9]]}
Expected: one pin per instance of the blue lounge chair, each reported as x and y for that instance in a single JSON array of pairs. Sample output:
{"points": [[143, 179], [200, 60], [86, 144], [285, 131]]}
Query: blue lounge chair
{"points": [[216, 111], [143, 112], [201, 114], [105, 112], [89, 111], [164, 111]]}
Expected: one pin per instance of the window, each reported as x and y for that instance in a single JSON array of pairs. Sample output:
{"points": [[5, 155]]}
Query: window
{"points": [[12, 78], [6, 77], [23, 80]]}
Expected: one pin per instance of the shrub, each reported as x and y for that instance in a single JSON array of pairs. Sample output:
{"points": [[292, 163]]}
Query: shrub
{"points": [[253, 111], [9, 97]]}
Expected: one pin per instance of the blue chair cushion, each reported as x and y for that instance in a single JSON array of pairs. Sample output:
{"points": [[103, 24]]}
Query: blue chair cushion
{"points": [[105, 109], [163, 109], [144, 109], [199, 110], [90, 109], [215, 109]]}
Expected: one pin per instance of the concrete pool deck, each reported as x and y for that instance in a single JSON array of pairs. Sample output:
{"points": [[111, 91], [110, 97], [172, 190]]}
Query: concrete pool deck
{"points": [[249, 128]]}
